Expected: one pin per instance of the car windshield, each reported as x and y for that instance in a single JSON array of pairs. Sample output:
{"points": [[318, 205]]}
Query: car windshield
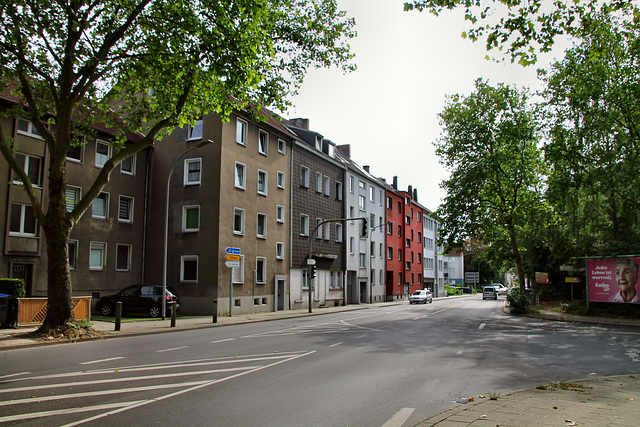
{"points": [[418, 292]]}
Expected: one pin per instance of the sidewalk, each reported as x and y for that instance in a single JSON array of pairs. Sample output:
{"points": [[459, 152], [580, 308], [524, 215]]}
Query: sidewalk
{"points": [[597, 401]]}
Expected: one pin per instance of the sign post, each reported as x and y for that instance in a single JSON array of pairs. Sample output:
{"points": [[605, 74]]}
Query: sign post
{"points": [[232, 261]]}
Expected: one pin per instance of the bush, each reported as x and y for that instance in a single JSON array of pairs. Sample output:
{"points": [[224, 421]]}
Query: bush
{"points": [[450, 290], [16, 288], [519, 303]]}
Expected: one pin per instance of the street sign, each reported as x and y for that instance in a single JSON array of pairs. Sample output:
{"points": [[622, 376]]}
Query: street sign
{"points": [[572, 279], [233, 251], [232, 264], [542, 277], [472, 277], [311, 261], [233, 257]]}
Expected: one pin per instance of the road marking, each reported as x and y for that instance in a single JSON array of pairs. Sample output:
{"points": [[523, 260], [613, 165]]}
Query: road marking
{"points": [[482, 325], [399, 418], [14, 375], [31, 415], [216, 342], [91, 362], [171, 349], [362, 336], [336, 344]]}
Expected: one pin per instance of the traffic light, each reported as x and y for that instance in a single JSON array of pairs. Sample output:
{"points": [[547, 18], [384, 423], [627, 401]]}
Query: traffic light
{"points": [[312, 271], [363, 233]]}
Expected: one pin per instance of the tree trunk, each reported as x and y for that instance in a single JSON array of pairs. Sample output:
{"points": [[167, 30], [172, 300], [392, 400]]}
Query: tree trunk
{"points": [[57, 230], [516, 255]]}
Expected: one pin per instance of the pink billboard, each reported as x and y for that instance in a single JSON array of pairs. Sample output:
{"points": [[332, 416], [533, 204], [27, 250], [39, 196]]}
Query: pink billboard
{"points": [[613, 280]]}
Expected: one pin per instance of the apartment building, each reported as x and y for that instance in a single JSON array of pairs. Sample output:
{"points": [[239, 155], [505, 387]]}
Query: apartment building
{"points": [[317, 195]]}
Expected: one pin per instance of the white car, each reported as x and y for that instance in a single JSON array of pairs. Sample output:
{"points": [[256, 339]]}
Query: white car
{"points": [[500, 288], [421, 296]]}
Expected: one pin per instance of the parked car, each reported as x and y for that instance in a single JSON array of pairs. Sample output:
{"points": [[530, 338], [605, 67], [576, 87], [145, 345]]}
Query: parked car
{"points": [[421, 296], [138, 298], [500, 288], [489, 292]]}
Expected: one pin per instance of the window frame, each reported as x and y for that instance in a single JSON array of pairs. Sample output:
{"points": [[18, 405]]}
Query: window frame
{"points": [[280, 213], [327, 186], [129, 251], [265, 190], [23, 221], [264, 224], [241, 125], [132, 172], [72, 258], [281, 180], [102, 246], [304, 225], [186, 172], [261, 260], [282, 146], [242, 185], [131, 205], [189, 258], [100, 142], [106, 200], [238, 271], [304, 176], [279, 250], [195, 131], [263, 142], [26, 166], [242, 220], [319, 182], [185, 218], [78, 196]]}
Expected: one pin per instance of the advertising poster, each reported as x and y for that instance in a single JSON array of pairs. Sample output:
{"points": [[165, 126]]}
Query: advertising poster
{"points": [[613, 280]]}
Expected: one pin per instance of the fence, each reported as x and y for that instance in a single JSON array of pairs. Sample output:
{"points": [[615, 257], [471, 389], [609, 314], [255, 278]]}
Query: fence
{"points": [[32, 311]]}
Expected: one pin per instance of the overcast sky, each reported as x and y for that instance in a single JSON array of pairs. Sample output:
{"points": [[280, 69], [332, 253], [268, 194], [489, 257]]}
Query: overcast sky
{"points": [[387, 109]]}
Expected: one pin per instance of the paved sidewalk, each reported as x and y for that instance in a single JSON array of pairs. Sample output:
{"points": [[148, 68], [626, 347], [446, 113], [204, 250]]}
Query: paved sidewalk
{"points": [[597, 401]]}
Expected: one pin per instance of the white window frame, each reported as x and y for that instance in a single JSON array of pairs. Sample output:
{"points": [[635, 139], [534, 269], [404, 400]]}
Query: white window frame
{"points": [[338, 190], [280, 250], [318, 229], [242, 216], [327, 230], [338, 232], [106, 206], [73, 256], [77, 196], [280, 214], [185, 210], [304, 225], [262, 235], [372, 194], [23, 212], [282, 146], [98, 246], [31, 129], [318, 182], [187, 163], [25, 167], [327, 185], [263, 142], [237, 273], [263, 260], [241, 131], [108, 155], [120, 245], [81, 157], [281, 179], [133, 166], [242, 185], [304, 176], [184, 258], [265, 175], [362, 202], [130, 200], [352, 246]]}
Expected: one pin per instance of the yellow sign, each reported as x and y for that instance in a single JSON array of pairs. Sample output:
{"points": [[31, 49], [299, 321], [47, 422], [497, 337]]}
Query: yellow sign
{"points": [[572, 279], [233, 257]]}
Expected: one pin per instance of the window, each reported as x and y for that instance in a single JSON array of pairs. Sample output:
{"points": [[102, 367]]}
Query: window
{"points": [[390, 253], [125, 209], [279, 250], [194, 131], [390, 228], [351, 246], [338, 190], [189, 268], [238, 221], [237, 273], [262, 226], [97, 255], [127, 166], [327, 231], [318, 229], [338, 232], [327, 185], [261, 270], [241, 132], [74, 153], [351, 184], [380, 198], [282, 146], [305, 278], [304, 176], [363, 260], [304, 225], [100, 208], [381, 251], [280, 180], [26, 127], [31, 166], [318, 182], [407, 220], [419, 258], [408, 265], [399, 206], [362, 185], [192, 171], [263, 184], [408, 242], [72, 249], [23, 221], [280, 213], [263, 142], [190, 219], [399, 254], [399, 231], [73, 195], [373, 276], [241, 176], [103, 153], [361, 202], [389, 202], [123, 257], [372, 194]]}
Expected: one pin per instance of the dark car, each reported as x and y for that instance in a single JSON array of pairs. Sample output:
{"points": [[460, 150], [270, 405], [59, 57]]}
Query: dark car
{"points": [[138, 298]]}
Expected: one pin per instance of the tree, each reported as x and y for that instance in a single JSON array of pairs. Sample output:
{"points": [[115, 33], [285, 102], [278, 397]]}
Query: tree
{"points": [[523, 27], [489, 145], [158, 64], [593, 102]]}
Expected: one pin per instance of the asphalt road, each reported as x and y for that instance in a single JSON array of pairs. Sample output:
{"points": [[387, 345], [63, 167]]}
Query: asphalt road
{"points": [[390, 366]]}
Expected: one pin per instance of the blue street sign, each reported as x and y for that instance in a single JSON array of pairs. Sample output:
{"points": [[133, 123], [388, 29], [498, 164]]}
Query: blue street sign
{"points": [[233, 251]]}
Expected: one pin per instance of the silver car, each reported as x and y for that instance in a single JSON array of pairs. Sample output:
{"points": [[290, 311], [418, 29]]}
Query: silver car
{"points": [[421, 296]]}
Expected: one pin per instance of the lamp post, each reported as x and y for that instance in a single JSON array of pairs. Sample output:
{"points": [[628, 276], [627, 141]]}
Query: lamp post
{"points": [[166, 224], [371, 258]]}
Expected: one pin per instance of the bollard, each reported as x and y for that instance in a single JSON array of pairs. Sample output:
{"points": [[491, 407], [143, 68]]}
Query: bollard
{"points": [[118, 315], [215, 310], [173, 314]]}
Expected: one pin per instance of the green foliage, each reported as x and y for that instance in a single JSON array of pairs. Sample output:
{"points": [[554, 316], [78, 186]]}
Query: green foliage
{"points": [[451, 291], [519, 303]]}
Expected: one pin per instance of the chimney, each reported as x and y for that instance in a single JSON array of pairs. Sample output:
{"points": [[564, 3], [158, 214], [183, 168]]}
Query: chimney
{"points": [[410, 191], [395, 183], [415, 195], [366, 168], [300, 122], [346, 149]]}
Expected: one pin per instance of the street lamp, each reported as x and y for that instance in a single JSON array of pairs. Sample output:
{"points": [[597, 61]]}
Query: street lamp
{"points": [[166, 225], [371, 258]]}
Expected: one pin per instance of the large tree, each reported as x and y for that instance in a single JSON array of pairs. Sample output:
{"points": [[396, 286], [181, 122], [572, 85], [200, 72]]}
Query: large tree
{"points": [[523, 28], [593, 99], [163, 63], [490, 146]]}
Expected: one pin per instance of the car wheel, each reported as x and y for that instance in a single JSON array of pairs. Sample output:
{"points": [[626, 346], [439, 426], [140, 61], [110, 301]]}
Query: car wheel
{"points": [[155, 311], [106, 310], [496, 297], [431, 300]]}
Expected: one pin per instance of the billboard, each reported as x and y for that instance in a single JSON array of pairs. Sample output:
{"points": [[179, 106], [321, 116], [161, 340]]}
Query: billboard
{"points": [[613, 280]]}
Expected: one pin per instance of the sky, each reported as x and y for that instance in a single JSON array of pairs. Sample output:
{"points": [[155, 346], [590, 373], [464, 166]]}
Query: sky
{"points": [[387, 109]]}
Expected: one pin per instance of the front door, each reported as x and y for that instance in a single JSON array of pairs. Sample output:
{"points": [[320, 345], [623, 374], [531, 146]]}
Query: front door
{"points": [[24, 272]]}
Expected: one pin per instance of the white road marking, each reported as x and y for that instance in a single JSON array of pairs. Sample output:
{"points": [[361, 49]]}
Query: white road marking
{"points": [[32, 415], [399, 418], [91, 362], [216, 342], [17, 374], [171, 349], [336, 344], [482, 325]]}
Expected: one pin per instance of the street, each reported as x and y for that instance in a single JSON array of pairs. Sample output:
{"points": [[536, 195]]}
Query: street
{"points": [[394, 366]]}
